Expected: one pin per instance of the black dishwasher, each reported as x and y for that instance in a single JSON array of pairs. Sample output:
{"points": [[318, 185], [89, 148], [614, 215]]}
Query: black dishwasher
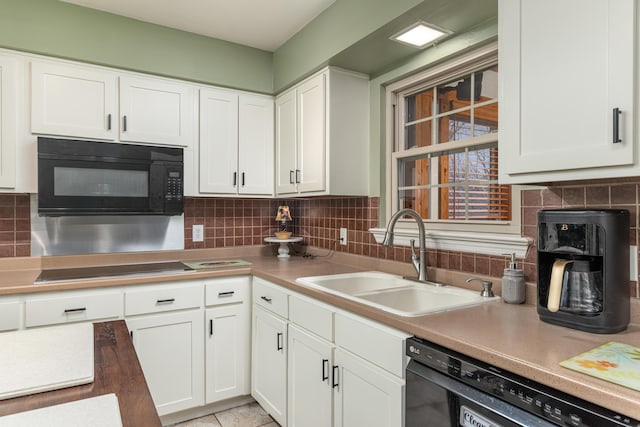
{"points": [[448, 389]]}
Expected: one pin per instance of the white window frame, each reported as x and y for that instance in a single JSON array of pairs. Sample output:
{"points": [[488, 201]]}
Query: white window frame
{"points": [[478, 236]]}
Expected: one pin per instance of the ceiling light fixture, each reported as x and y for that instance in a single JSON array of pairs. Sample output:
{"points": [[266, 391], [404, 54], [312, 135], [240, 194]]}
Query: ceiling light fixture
{"points": [[420, 35]]}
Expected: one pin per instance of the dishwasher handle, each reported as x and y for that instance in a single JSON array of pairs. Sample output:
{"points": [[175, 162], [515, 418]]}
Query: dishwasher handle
{"points": [[497, 406]]}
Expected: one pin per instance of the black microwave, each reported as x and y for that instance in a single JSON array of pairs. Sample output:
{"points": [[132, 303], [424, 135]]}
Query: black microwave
{"points": [[102, 178]]}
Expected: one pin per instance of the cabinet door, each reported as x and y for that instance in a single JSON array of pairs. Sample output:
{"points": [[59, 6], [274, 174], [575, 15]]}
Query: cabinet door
{"points": [[312, 135], [156, 111], [269, 363], [255, 140], [73, 101], [170, 349], [561, 80], [366, 395], [218, 141], [227, 352], [286, 143], [310, 360], [8, 125]]}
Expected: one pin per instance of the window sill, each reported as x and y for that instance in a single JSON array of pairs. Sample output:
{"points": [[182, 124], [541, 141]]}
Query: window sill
{"points": [[481, 243]]}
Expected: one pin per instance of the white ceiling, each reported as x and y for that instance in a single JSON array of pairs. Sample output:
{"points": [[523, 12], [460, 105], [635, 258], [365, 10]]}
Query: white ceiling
{"points": [[257, 23]]}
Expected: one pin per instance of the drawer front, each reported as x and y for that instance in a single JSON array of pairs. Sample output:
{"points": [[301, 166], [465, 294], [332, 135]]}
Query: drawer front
{"points": [[377, 343], [77, 308], [271, 297], [311, 315], [163, 298], [228, 290], [9, 315]]}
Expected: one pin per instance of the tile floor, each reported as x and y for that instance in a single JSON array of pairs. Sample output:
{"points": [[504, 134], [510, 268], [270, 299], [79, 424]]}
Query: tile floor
{"points": [[251, 415]]}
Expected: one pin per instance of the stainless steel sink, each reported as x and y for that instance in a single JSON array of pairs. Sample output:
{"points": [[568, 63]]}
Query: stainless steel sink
{"points": [[394, 294]]}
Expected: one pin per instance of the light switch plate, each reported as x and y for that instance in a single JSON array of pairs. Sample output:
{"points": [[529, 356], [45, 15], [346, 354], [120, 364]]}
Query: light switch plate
{"points": [[197, 233]]}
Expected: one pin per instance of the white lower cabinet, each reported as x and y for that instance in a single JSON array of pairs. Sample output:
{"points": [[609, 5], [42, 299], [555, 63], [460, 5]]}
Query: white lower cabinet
{"points": [[366, 395], [269, 363], [10, 315], [309, 379], [167, 328], [339, 369], [228, 339], [170, 348]]}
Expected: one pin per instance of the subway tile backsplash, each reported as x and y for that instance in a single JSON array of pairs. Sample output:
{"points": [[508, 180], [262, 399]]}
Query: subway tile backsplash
{"points": [[246, 222]]}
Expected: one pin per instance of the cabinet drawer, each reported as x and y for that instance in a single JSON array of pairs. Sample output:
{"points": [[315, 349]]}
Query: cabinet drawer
{"points": [[161, 299], [377, 343], [228, 290], [9, 315], [311, 315], [73, 308], [271, 297]]}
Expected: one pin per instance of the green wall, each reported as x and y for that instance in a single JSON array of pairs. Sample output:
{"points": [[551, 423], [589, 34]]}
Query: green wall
{"points": [[341, 25], [64, 30]]}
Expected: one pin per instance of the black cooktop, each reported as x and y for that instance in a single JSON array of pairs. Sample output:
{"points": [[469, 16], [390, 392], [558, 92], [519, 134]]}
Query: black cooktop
{"points": [[79, 273]]}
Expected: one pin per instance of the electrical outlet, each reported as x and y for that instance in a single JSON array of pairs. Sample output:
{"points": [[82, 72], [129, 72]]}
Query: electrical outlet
{"points": [[197, 233], [343, 236]]}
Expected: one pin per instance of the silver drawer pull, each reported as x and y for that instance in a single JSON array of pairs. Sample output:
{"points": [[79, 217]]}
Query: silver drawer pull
{"points": [[165, 301], [226, 294], [266, 299], [75, 310]]}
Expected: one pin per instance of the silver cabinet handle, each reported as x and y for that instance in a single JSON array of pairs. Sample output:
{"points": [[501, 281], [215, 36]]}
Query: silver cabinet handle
{"points": [[297, 176], [75, 310], [108, 121], [124, 123], [291, 179]]}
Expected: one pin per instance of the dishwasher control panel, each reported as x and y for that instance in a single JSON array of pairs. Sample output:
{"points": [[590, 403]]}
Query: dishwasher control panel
{"points": [[553, 405]]}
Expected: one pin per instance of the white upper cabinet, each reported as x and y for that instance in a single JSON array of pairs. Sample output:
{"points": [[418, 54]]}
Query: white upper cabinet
{"points": [[85, 102], [8, 124], [218, 141], [567, 89], [322, 136], [286, 143], [156, 111], [255, 145], [71, 100], [236, 143]]}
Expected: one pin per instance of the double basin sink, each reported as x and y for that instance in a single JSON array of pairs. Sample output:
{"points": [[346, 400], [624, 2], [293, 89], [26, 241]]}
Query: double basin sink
{"points": [[394, 294]]}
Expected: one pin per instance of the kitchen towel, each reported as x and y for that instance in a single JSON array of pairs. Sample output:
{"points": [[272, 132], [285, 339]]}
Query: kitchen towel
{"points": [[615, 362], [99, 411], [43, 359]]}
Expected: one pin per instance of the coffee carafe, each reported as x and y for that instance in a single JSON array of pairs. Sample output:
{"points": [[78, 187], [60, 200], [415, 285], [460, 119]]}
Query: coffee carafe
{"points": [[583, 269]]}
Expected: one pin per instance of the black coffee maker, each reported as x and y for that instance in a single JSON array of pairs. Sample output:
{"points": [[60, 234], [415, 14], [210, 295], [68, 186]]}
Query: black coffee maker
{"points": [[583, 269]]}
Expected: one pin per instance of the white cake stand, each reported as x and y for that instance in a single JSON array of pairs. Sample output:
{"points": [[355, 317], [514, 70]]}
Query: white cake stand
{"points": [[283, 250]]}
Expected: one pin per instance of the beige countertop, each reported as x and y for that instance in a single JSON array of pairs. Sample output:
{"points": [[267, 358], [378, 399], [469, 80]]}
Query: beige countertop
{"points": [[511, 337]]}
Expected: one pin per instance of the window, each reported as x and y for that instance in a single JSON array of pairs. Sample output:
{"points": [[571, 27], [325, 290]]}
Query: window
{"points": [[443, 148]]}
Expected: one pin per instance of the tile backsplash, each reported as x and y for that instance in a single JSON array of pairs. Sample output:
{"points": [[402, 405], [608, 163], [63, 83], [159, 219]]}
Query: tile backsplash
{"points": [[244, 222], [15, 225]]}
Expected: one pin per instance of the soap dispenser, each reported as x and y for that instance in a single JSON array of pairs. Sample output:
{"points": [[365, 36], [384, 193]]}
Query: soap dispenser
{"points": [[513, 285]]}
